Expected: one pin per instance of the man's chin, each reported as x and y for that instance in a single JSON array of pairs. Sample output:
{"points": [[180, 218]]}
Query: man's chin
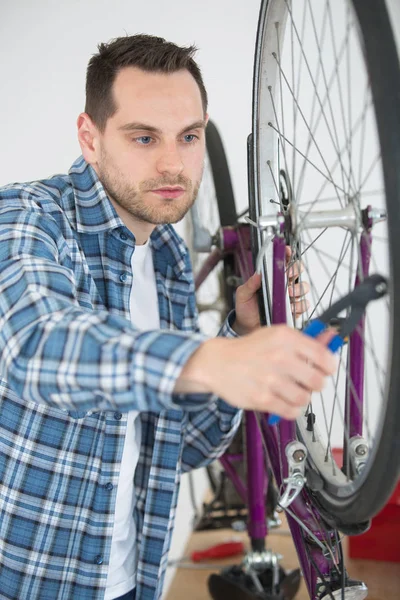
{"points": [[166, 219], [168, 215]]}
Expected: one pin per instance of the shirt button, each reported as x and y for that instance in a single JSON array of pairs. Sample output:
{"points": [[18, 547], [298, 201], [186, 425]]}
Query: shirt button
{"points": [[98, 560], [123, 277], [118, 416], [123, 236], [109, 486]]}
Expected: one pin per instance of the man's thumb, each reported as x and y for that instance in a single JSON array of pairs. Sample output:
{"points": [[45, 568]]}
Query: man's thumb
{"points": [[249, 288]]}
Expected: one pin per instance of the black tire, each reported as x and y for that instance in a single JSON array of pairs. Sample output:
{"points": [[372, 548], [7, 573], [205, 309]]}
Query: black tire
{"points": [[373, 487], [221, 176], [228, 218], [225, 199]]}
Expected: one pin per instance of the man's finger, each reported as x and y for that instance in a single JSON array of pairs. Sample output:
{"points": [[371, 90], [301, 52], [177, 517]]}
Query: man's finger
{"points": [[297, 290], [326, 336], [253, 283], [249, 288], [295, 269]]}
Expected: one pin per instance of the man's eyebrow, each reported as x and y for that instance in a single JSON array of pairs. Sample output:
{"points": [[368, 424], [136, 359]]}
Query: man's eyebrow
{"points": [[136, 126], [196, 125]]}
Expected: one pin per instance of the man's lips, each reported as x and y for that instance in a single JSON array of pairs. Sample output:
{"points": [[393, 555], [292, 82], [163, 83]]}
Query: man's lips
{"points": [[169, 192]]}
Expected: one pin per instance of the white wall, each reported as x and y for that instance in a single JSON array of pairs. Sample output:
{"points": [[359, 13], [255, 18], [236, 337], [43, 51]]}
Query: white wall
{"points": [[45, 46]]}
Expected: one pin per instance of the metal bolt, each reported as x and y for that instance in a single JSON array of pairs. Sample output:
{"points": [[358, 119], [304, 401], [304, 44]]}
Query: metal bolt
{"points": [[361, 450], [377, 214], [299, 456], [381, 288]]}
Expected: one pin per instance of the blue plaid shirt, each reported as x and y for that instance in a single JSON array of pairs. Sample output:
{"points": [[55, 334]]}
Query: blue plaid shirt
{"points": [[71, 366]]}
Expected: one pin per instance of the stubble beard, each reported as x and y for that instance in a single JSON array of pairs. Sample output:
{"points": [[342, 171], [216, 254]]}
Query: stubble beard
{"points": [[132, 199]]}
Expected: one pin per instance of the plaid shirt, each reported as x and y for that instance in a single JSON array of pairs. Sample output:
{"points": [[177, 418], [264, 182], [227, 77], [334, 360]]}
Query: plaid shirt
{"points": [[71, 365]]}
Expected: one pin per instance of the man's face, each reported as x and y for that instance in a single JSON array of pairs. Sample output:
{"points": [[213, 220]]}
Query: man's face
{"points": [[151, 154]]}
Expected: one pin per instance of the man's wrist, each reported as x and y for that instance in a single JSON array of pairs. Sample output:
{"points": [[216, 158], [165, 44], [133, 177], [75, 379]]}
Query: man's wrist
{"points": [[239, 329], [195, 375]]}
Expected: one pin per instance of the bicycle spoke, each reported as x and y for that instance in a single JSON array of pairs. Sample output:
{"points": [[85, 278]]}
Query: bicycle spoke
{"points": [[296, 87], [281, 95], [308, 160], [332, 279], [306, 124], [333, 198], [311, 77], [369, 172], [357, 125], [351, 174], [326, 89], [362, 144], [314, 126], [341, 100]]}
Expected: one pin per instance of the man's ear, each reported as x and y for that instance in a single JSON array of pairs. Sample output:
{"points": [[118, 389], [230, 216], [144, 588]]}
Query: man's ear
{"points": [[88, 137]]}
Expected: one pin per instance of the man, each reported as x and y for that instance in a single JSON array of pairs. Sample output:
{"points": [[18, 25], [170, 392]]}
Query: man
{"points": [[108, 392]]}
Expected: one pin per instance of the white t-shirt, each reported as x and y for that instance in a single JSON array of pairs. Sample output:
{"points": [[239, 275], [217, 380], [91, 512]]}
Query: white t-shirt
{"points": [[144, 316]]}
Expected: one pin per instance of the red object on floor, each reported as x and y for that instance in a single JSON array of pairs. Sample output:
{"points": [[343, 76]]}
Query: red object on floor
{"points": [[382, 540], [218, 551]]}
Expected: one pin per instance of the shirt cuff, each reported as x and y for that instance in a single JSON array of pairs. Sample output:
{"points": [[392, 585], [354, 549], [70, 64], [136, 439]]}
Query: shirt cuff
{"points": [[226, 329]]}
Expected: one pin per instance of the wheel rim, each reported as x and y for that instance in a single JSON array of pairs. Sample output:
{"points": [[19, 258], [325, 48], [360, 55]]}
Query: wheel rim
{"points": [[307, 138]]}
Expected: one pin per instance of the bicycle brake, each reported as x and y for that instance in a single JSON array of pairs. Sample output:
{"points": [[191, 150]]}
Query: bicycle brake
{"points": [[372, 288]]}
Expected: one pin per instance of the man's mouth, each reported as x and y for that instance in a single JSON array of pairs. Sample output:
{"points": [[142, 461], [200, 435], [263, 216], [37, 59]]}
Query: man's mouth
{"points": [[169, 191]]}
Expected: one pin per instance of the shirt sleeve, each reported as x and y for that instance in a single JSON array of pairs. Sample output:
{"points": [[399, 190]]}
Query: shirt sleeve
{"points": [[57, 352], [210, 431]]}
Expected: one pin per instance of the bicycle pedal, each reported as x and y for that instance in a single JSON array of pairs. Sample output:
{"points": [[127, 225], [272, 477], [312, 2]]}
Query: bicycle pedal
{"points": [[290, 584], [235, 584]]}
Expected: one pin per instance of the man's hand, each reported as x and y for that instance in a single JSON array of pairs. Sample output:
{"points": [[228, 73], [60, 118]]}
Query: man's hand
{"points": [[246, 305], [297, 291], [274, 369]]}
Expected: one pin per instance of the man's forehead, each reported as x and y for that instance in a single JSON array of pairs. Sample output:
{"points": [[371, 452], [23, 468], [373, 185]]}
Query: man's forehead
{"points": [[159, 100], [136, 84]]}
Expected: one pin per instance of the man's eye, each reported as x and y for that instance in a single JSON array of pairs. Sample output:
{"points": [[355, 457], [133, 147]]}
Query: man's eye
{"points": [[190, 137], [143, 139]]}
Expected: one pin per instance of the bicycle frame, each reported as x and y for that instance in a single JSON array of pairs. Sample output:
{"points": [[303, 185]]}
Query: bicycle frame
{"points": [[304, 518]]}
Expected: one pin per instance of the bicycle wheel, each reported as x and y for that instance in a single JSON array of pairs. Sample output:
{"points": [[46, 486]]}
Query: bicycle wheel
{"points": [[214, 208], [326, 148]]}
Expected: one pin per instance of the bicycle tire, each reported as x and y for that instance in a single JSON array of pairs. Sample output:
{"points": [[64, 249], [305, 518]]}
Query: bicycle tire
{"points": [[219, 191], [221, 176], [371, 489]]}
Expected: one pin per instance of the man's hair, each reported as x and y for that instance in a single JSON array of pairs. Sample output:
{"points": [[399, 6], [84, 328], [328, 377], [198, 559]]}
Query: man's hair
{"points": [[147, 52]]}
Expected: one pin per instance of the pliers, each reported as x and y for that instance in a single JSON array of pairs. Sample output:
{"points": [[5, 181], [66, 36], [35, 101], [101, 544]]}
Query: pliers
{"points": [[371, 288]]}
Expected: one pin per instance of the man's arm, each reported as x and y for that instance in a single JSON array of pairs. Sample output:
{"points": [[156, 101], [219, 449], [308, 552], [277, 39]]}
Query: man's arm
{"points": [[210, 431], [264, 370], [53, 351]]}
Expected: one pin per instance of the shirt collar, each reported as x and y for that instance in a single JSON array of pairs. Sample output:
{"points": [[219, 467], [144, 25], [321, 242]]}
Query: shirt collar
{"points": [[94, 211], [96, 214]]}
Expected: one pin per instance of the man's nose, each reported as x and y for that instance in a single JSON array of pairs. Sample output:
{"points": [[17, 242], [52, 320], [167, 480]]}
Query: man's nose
{"points": [[170, 161]]}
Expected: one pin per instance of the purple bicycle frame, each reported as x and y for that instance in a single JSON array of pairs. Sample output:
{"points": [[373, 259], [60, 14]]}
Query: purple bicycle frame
{"points": [[236, 242]]}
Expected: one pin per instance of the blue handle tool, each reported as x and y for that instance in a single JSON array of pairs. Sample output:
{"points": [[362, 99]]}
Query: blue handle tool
{"points": [[372, 288], [313, 329]]}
